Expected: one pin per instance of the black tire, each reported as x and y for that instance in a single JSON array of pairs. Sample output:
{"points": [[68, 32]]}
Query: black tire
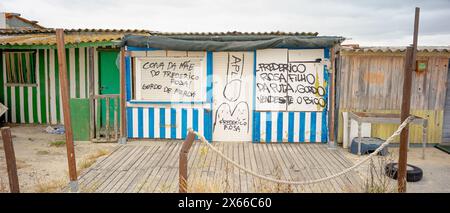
{"points": [[413, 173]]}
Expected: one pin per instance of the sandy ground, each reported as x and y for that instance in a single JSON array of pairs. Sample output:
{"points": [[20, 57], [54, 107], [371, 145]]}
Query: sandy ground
{"points": [[41, 165], [38, 162], [436, 168]]}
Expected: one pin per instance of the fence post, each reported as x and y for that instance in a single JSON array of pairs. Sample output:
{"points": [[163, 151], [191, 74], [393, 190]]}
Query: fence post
{"points": [[10, 160], [183, 177]]}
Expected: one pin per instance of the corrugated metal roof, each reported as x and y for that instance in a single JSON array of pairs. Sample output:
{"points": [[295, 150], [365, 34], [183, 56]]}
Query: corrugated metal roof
{"points": [[394, 49], [52, 30], [72, 36], [47, 36]]}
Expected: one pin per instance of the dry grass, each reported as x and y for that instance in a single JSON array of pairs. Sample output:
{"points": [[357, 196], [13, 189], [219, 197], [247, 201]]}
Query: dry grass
{"points": [[377, 181], [91, 159], [57, 143], [3, 188], [56, 185], [43, 152]]}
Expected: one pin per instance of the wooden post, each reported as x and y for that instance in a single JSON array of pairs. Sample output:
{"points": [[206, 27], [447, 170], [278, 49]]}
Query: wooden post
{"points": [[183, 177], [66, 109], [91, 93], [332, 98], [10, 160], [410, 66], [123, 118]]}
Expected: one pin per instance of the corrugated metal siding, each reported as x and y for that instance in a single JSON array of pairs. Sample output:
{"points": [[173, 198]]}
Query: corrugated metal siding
{"points": [[374, 83], [42, 103], [446, 126]]}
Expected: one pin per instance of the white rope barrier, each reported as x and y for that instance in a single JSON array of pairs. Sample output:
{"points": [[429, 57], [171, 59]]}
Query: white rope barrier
{"points": [[389, 140]]}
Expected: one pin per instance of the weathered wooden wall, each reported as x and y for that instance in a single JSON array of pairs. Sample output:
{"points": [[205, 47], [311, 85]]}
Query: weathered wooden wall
{"points": [[372, 82]]}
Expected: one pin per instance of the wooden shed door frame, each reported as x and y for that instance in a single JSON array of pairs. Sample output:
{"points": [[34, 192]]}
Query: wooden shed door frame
{"points": [[446, 122]]}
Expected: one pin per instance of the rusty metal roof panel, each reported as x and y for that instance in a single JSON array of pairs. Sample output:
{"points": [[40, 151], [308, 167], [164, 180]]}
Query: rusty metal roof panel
{"points": [[50, 39], [394, 49]]}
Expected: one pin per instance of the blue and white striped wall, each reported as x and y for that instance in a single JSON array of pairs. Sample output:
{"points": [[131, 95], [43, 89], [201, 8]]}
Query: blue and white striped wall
{"points": [[290, 127], [167, 123]]}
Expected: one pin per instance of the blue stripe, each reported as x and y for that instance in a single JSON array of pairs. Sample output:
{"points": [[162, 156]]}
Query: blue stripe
{"points": [[130, 122], [140, 49], [209, 76], [128, 77], [256, 115], [312, 136], [162, 123], [173, 123], [207, 124], [256, 126], [140, 122], [268, 127], [151, 120], [195, 120], [302, 127], [183, 123], [324, 134], [280, 127], [291, 127]]}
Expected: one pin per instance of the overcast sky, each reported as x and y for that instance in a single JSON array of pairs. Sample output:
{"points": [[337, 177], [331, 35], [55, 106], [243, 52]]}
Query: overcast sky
{"points": [[369, 23]]}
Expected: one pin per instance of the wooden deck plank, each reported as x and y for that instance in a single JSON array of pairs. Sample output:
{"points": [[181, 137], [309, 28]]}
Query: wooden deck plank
{"points": [[149, 176], [154, 168], [308, 166], [134, 171]]}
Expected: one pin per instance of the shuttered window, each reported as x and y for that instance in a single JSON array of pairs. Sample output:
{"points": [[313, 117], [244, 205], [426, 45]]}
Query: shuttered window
{"points": [[20, 67]]}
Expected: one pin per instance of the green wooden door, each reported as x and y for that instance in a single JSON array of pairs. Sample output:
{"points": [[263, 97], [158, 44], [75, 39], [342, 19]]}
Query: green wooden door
{"points": [[109, 81]]}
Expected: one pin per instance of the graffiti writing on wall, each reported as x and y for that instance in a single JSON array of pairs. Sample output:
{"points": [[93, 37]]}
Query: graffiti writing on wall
{"points": [[293, 86], [171, 79], [233, 114]]}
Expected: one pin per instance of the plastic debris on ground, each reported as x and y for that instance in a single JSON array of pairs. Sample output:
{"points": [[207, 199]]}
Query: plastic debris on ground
{"points": [[55, 130]]}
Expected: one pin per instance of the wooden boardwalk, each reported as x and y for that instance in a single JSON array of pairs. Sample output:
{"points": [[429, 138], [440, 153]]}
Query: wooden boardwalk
{"points": [[153, 167]]}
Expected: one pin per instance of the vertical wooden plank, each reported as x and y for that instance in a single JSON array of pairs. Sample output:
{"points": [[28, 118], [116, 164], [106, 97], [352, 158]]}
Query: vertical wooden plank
{"points": [[123, 118], [10, 160], [66, 110], [107, 103], [91, 92]]}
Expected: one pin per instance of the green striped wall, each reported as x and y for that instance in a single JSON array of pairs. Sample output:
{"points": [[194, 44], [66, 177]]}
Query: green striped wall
{"points": [[42, 103]]}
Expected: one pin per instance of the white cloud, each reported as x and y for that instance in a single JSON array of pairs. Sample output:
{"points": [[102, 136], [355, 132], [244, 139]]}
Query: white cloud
{"points": [[367, 22]]}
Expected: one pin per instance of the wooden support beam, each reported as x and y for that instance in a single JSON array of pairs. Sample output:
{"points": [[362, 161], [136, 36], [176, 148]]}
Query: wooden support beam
{"points": [[332, 99], [10, 160], [66, 109], [410, 63], [123, 118], [183, 162], [91, 92]]}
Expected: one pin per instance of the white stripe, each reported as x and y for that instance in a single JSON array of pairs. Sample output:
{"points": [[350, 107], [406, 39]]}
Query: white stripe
{"points": [[22, 105], [135, 123], [178, 122], [13, 104], [30, 105], [296, 126], [200, 121], [47, 83], [156, 123], [274, 126], [167, 122], [82, 65], [307, 126], [38, 91], [4, 87], [285, 126], [263, 126], [319, 127], [145, 122], [189, 119], [72, 79], [52, 87]]}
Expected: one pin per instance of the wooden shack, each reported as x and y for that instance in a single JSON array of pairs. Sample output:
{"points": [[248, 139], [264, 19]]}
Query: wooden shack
{"points": [[371, 79]]}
